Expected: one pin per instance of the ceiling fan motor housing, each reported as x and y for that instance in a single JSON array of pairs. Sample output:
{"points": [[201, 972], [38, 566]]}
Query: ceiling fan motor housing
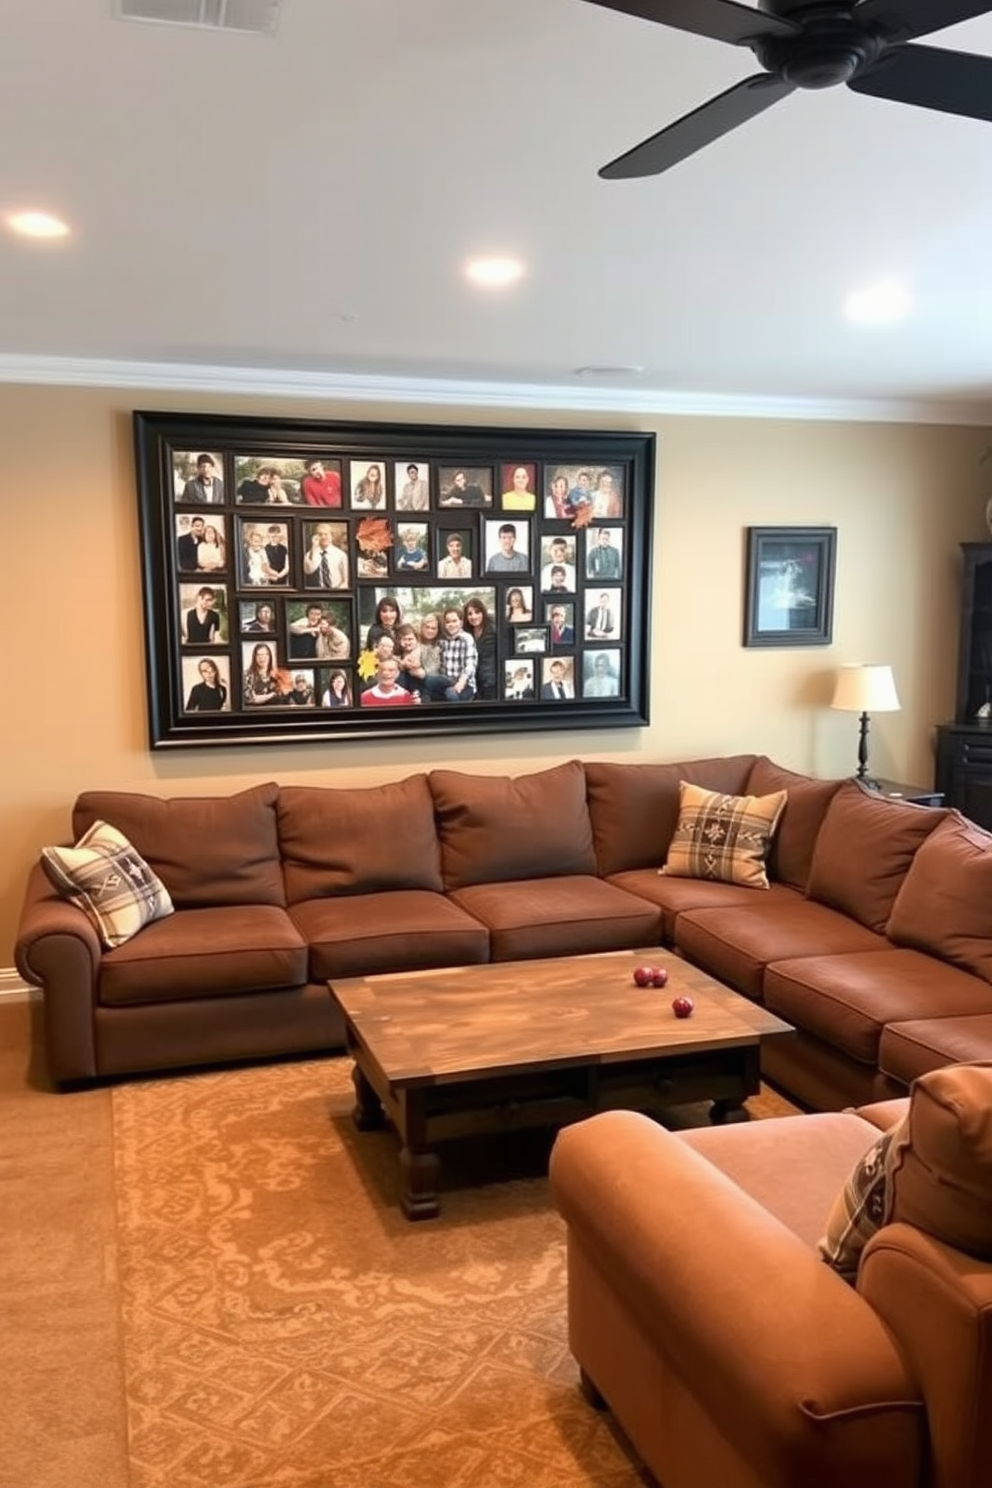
{"points": [[831, 48]]}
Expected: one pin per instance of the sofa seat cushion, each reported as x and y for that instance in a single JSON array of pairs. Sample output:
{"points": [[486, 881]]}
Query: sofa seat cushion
{"points": [[795, 836], [735, 944], [634, 808], [863, 852], [560, 917], [207, 850], [367, 841], [847, 1000], [205, 953], [943, 904], [914, 1047], [399, 930], [817, 1152], [496, 829], [675, 895]]}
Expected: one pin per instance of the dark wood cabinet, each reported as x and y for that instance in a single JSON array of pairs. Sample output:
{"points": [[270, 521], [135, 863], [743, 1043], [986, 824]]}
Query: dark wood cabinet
{"points": [[964, 747], [974, 689], [964, 769]]}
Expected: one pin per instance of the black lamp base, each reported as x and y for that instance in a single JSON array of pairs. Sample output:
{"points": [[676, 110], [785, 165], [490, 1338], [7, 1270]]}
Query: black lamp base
{"points": [[862, 774]]}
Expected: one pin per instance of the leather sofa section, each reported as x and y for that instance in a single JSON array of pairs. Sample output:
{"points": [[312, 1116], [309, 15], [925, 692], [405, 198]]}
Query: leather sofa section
{"points": [[365, 841], [207, 850], [737, 943], [799, 824], [910, 1048], [847, 1000], [559, 917], [634, 808], [864, 882], [944, 906], [205, 953], [401, 930], [494, 828]]}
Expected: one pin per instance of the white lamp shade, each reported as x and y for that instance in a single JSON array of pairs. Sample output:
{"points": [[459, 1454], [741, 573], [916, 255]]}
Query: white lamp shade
{"points": [[866, 689]]}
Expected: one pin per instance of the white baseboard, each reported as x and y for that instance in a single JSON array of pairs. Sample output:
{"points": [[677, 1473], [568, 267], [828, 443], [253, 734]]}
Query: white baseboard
{"points": [[12, 986]]}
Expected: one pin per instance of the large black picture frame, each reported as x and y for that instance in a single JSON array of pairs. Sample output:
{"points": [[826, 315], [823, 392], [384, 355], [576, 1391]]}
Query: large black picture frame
{"points": [[250, 526]]}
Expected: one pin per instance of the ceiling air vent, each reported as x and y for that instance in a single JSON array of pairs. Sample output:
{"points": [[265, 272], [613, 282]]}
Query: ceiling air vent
{"points": [[260, 16]]}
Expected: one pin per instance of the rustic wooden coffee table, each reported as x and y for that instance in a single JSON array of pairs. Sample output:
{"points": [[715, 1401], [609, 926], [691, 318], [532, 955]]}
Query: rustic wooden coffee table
{"points": [[496, 1048]]}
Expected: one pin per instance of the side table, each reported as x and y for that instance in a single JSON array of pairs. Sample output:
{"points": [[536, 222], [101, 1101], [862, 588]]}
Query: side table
{"points": [[898, 790]]}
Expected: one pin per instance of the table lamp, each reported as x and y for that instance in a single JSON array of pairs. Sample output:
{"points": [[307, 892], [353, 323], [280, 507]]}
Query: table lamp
{"points": [[864, 690]]}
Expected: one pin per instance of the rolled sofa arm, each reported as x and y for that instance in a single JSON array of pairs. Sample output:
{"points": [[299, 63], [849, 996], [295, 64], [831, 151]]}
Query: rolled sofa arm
{"points": [[938, 1303], [59, 950], [796, 1368]]}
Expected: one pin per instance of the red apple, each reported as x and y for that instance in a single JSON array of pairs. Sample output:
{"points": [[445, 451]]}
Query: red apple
{"points": [[643, 975], [682, 1007], [659, 976]]}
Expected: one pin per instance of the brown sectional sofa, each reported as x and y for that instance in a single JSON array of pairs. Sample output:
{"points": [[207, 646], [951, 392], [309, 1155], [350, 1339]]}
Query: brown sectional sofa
{"points": [[874, 938]]}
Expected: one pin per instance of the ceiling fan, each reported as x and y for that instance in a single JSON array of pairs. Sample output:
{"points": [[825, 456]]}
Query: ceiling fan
{"points": [[814, 44]]}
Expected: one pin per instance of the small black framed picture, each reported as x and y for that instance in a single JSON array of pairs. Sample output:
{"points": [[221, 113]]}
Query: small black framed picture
{"points": [[790, 586]]}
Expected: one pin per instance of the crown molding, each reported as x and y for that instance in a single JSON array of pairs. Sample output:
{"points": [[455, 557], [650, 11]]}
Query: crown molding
{"points": [[454, 393]]}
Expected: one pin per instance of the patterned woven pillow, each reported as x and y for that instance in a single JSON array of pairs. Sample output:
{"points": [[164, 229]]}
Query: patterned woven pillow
{"points": [[864, 1204], [109, 881], [723, 838]]}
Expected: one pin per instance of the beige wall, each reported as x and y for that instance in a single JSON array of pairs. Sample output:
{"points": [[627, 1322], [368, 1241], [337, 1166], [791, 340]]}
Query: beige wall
{"points": [[72, 714]]}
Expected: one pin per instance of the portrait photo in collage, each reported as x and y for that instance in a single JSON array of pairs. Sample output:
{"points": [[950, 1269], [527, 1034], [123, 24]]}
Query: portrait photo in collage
{"points": [[317, 579]]}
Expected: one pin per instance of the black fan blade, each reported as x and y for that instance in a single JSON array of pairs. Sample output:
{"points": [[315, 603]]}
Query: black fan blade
{"points": [[904, 19], [952, 82], [722, 20], [705, 124]]}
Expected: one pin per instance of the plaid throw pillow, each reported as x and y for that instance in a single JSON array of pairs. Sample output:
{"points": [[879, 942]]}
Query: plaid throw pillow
{"points": [[864, 1204], [723, 838], [109, 881]]}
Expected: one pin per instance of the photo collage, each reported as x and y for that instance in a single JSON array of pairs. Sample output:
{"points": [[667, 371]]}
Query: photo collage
{"points": [[338, 580]]}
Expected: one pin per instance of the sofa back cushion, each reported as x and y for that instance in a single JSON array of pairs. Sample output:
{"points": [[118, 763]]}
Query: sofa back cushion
{"points": [[494, 828], [932, 1170], [943, 1184], [800, 822], [863, 852], [945, 903], [634, 808], [207, 850], [364, 841]]}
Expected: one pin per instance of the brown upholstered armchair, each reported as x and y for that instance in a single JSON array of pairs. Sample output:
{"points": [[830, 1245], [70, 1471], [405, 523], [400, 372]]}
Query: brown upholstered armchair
{"points": [[730, 1352]]}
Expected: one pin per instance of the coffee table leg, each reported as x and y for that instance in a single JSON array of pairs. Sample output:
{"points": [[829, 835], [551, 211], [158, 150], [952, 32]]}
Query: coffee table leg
{"points": [[723, 1112], [368, 1114], [420, 1173]]}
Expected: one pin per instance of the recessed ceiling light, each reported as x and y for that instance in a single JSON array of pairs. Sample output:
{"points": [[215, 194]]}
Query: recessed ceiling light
{"points": [[494, 273], [878, 304], [36, 225], [608, 370]]}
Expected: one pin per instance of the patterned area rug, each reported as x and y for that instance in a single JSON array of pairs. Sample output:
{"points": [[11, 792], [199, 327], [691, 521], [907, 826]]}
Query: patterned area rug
{"points": [[286, 1327]]}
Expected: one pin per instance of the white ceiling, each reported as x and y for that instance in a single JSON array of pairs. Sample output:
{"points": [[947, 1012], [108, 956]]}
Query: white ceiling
{"points": [[304, 203]]}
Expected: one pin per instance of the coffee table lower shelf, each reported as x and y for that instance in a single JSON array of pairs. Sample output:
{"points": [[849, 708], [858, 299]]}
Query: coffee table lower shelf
{"points": [[426, 1116]]}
